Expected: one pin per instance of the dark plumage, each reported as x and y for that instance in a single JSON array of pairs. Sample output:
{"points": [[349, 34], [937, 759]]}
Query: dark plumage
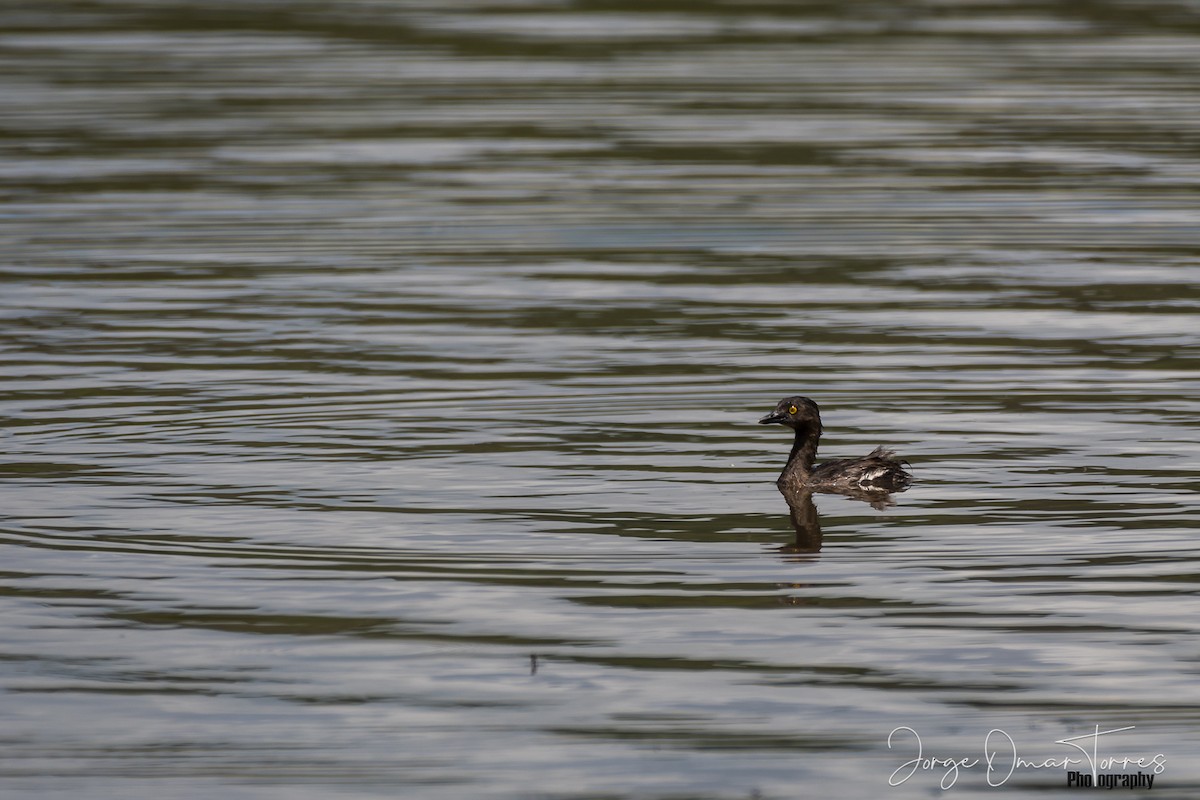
{"points": [[878, 472]]}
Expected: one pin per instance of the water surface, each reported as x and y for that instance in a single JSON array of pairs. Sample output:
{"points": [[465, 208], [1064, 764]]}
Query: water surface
{"points": [[381, 386]]}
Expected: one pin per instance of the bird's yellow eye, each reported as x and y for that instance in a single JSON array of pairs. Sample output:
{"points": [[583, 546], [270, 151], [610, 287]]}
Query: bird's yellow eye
{"points": [[791, 409]]}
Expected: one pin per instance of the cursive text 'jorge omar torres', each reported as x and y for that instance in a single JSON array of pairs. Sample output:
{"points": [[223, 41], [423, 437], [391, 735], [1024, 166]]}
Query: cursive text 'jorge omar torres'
{"points": [[1000, 758]]}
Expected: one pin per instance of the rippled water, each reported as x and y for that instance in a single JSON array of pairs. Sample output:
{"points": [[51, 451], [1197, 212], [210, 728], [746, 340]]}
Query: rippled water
{"points": [[381, 383]]}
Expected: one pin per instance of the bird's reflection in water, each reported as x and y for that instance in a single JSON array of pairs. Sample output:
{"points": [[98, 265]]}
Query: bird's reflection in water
{"points": [[807, 521]]}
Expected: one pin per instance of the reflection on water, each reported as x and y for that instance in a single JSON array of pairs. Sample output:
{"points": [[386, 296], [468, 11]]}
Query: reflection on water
{"points": [[805, 520], [380, 383]]}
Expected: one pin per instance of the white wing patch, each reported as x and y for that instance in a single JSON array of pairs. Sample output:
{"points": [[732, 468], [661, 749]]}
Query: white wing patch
{"points": [[869, 476]]}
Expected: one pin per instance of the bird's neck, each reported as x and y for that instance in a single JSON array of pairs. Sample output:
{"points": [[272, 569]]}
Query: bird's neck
{"points": [[803, 456]]}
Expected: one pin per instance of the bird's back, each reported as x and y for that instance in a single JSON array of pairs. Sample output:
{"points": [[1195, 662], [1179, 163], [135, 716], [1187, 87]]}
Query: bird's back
{"points": [[878, 471]]}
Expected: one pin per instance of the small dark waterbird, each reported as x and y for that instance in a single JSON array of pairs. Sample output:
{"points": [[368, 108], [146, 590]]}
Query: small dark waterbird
{"points": [[875, 474]]}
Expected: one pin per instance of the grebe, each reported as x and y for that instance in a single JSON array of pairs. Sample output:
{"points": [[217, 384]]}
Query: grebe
{"points": [[878, 472]]}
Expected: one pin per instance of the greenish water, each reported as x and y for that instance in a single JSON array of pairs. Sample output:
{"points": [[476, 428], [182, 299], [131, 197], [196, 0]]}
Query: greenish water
{"points": [[381, 379]]}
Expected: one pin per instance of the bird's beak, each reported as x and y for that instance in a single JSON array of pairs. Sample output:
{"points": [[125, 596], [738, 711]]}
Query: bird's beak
{"points": [[770, 419]]}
